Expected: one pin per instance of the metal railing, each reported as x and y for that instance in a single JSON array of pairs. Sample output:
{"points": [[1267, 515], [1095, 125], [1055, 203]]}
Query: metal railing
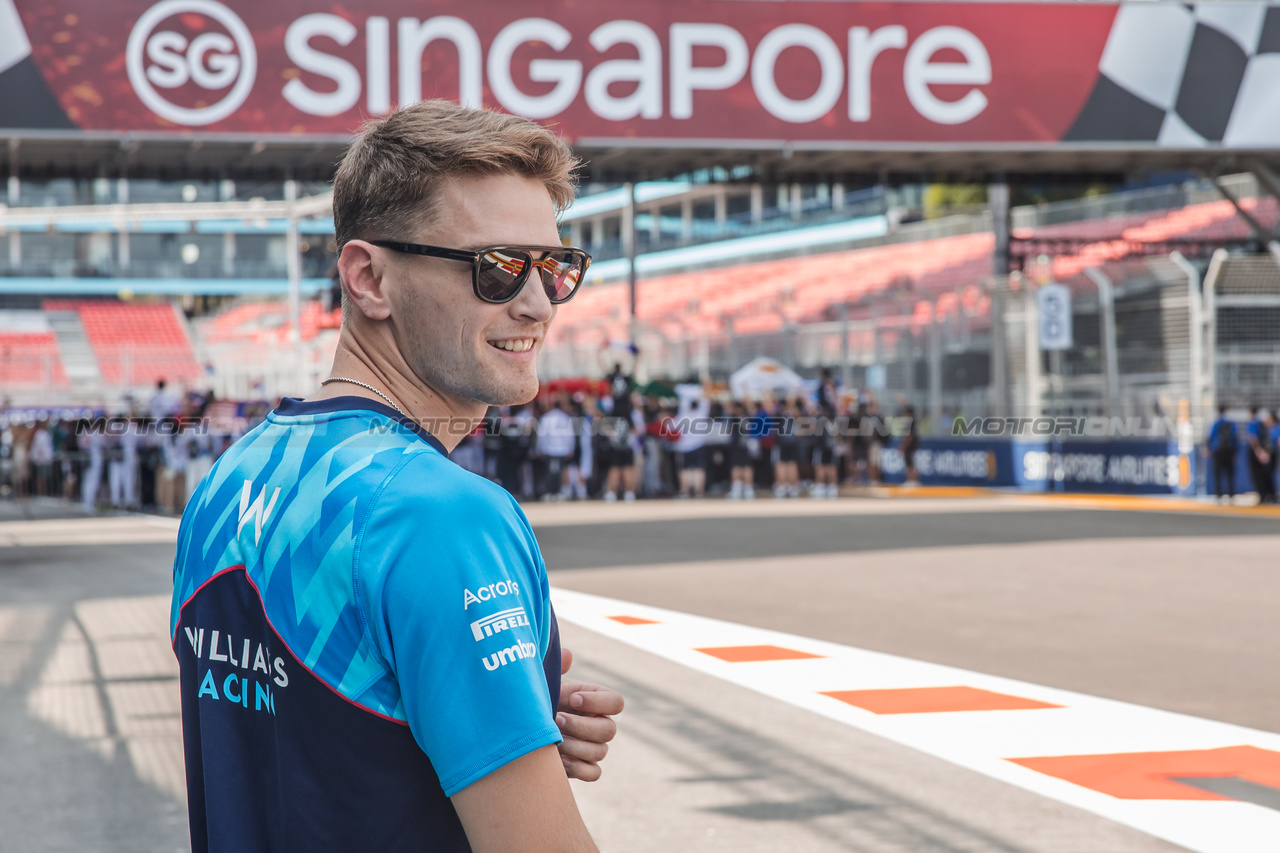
{"points": [[1181, 339]]}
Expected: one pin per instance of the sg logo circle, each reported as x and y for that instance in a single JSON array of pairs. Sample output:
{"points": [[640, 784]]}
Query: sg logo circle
{"points": [[212, 61]]}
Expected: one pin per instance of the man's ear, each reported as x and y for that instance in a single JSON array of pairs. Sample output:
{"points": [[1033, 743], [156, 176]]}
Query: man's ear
{"points": [[361, 267]]}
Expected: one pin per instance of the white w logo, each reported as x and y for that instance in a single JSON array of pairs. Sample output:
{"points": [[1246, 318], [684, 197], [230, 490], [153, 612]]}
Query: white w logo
{"points": [[255, 510]]}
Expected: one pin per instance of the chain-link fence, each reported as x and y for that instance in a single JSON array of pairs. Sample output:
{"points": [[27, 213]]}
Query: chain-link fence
{"points": [[1156, 337], [246, 371], [1243, 297]]}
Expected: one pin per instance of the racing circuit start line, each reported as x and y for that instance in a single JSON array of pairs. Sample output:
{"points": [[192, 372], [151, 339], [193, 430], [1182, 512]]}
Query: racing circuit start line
{"points": [[1209, 786]]}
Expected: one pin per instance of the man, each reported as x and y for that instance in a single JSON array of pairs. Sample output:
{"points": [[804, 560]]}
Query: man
{"points": [[1223, 444], [622, 432], [1260, 467], [557, 439], [1273, 443], [369, 659], [693, 426], [162, 403], [908, 445]]}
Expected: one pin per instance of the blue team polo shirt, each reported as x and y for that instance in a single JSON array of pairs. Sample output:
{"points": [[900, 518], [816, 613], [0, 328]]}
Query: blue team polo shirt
{"points": [[363, 629]]}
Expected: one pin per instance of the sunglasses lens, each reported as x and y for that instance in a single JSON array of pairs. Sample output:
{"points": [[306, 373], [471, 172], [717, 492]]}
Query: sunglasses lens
{"points": [[501, 274], [561, 274]]}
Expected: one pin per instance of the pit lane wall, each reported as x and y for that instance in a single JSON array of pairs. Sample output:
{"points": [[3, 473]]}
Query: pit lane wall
{"points": [[1114, 466]]}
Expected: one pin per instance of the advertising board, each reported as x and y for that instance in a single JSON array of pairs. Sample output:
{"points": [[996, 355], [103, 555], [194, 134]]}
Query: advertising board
{"points": [[763, 72]]}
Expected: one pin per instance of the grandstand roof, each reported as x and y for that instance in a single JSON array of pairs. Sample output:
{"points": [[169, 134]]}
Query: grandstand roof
{"points": [[50, 154]]}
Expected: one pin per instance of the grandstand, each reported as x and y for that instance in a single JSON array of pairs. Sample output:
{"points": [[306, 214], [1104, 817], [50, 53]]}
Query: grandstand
{"points": [[824, 277], [877, 301]]}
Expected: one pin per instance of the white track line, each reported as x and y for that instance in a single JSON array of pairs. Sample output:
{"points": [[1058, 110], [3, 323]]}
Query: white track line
{"points": [[982, 741]]}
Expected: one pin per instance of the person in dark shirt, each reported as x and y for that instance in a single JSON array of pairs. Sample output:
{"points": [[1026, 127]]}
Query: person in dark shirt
{"points": [[1261, 461], [789, 448], [908, 445], [744, 446], [1223, 446]]}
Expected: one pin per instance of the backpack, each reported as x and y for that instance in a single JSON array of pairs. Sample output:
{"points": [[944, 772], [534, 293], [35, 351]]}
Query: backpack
{"points": [[1223, 442]]}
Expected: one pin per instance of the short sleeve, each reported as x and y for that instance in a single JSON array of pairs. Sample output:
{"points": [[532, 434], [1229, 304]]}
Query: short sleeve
{"points": [[453, 595]]}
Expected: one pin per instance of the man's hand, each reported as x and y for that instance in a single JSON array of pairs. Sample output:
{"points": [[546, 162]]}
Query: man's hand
{"points": [[584, 719]]}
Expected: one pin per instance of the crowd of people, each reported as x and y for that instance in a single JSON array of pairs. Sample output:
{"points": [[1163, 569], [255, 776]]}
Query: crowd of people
{"points": [[1258, 439], [147, 457], [616, 443], [606, 441]]}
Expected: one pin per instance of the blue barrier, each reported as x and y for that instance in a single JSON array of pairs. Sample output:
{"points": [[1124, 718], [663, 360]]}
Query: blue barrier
{"points": [[1124, 466]]}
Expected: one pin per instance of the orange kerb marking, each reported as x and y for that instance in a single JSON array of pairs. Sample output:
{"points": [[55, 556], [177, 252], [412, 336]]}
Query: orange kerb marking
{"points": [[749, 654], [1150, 775], [933, 700], [634, 620]]}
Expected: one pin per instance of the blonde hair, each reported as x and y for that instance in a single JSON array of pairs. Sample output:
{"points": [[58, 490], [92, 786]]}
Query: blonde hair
{"points": [[388, 182]]}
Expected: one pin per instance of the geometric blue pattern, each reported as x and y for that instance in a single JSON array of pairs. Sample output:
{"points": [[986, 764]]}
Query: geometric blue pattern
{"points": [[335, 460], [410, 586]]}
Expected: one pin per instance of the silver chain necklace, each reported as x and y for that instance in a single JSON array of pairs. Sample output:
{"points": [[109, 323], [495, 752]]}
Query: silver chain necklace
{"points": [[364, 385]]}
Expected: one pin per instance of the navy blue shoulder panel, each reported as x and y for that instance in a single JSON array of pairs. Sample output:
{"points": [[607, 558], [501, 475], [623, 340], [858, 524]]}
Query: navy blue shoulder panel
{"points": [[280, 760], [293, 407]]}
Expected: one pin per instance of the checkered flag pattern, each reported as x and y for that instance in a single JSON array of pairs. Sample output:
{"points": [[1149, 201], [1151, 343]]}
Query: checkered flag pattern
{"points": [[25, 97], [1187, 76]]}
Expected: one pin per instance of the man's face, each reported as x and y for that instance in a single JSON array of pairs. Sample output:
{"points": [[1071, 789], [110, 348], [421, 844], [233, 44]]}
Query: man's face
{"points": [[468, 351]]}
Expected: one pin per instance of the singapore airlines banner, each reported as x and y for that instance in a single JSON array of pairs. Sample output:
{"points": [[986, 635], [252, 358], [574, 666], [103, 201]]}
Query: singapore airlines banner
{"points": [[1161, 74]]}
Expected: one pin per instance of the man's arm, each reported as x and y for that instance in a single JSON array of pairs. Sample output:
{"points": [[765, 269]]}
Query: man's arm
{"points": [[525, 805], [583, 715]]}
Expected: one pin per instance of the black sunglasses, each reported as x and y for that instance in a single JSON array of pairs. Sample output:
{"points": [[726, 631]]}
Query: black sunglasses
{"points": [[498, 272]]}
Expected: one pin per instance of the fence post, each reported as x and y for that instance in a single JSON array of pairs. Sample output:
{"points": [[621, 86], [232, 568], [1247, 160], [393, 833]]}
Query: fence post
{"points": [[907, 352], [293, 264], [733, 343], [1031, 329], [629, 249], [846, 369], [935, 367], [1211, 326], [704, 356], [999, 352], [1195, 322], [1107, 310], [876, 348]]}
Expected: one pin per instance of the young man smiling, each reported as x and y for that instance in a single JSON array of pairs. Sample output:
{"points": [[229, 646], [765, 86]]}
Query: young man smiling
{"points": [[368, 653]]}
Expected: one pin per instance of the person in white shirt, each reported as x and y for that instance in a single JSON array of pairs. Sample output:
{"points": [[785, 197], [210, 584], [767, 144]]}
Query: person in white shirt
{"points": [[693, 423], [95, 442], [163, 404], [42, 457], [583, 463], [557, 440], [122, 474]]}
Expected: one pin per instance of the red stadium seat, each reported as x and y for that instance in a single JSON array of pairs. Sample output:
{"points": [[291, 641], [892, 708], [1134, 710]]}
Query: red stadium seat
{"points": [[30, 359], [135, 344]]}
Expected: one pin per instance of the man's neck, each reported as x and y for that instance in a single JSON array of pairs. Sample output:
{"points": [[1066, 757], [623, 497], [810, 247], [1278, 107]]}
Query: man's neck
{"points": [[449, 422]]}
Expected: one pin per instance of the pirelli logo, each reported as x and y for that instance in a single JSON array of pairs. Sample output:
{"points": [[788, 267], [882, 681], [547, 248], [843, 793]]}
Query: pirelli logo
{"points": [[503, 620]]}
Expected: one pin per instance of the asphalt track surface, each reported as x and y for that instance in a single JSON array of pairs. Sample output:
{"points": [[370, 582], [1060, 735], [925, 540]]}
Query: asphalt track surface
{"points": [[1170, 610]]}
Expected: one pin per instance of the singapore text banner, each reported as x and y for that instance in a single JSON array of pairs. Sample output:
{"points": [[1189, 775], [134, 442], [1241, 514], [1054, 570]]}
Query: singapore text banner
{"points": [[700, 70]]}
